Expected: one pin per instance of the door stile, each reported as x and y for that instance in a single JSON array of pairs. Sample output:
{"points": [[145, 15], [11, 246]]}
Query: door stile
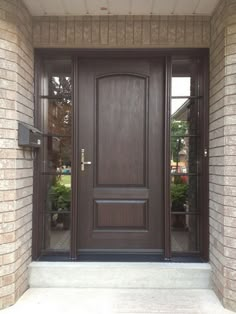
{"points": [[167, 227], [37, 217], [204, 222], [75, 160]]}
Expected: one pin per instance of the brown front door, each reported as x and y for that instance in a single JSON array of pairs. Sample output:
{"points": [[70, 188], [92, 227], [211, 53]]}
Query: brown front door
{"points": [[120, 127]]}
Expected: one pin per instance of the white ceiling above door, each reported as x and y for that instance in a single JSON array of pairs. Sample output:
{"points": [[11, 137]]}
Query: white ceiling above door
{"points": [[120, 7]]}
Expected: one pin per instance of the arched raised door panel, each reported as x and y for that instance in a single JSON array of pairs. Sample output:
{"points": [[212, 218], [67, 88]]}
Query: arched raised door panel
{"points": [[121, 105]]}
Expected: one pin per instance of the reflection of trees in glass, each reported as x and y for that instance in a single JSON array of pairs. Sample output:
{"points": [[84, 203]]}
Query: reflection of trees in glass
{"points": [[60, 86], [60, 121], [59, 111], [66, 151], [59, 152], [178, 131]]}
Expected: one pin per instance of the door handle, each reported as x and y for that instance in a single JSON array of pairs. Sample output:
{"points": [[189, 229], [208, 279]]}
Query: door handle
{"points": [[83, 163]]}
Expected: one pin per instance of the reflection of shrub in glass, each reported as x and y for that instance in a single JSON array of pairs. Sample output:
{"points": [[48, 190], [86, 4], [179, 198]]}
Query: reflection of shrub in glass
{"points": [[60, 197], [179, 193]]}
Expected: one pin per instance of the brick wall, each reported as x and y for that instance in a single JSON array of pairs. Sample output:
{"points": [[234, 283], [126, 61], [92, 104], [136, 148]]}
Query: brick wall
{"points": [[216, 153], [223, 151], [16, 167], [121, 31]]}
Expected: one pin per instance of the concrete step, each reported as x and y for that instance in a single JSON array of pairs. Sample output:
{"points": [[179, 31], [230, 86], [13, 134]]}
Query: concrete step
{"points": [[117, 301], [120, 275]]}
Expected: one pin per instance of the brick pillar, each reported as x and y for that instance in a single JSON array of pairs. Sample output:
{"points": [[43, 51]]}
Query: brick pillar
{"points": [[16, 167], [223, 151]]}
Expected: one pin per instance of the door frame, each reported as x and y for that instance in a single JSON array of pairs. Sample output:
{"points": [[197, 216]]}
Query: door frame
{"points": [[74, 55]]}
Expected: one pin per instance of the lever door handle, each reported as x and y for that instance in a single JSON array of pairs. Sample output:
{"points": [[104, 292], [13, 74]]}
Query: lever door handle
{"points": [[83, 162]]}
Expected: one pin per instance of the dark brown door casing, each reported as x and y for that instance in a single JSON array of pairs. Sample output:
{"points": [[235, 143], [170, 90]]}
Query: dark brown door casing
{"points": [[121, 116]]}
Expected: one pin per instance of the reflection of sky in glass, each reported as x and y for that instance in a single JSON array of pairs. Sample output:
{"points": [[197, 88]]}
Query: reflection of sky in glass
{"points": [[56, 79], [176, 104], [180, 87]]}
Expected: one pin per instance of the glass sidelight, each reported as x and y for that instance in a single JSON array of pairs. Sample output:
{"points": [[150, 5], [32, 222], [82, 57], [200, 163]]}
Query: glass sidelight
{"points": [[185, 143], [56, 155]]}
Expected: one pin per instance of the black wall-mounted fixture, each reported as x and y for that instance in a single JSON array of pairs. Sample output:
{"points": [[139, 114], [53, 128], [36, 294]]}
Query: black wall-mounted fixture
{"points": [[29, 136]]}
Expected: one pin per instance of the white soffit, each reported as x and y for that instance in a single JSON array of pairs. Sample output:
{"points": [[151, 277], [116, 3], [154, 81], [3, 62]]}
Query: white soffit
{"points": [[120, 7]]}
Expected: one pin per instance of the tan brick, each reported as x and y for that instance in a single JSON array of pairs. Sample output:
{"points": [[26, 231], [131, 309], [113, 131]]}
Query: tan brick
{"points": [[8, 300], [7, 227], [8, 280], [7, 237], [10, 257]]}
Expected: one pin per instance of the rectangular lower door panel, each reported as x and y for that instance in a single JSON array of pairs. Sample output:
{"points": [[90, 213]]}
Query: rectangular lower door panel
{"points": [[115, 215]]}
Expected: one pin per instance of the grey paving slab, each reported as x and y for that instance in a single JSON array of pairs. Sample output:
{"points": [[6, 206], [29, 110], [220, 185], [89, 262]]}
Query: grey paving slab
{"points": [[117, 301]]}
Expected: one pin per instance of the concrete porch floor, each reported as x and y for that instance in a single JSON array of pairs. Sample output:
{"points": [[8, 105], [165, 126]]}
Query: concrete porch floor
{"points": [[110, 301]]}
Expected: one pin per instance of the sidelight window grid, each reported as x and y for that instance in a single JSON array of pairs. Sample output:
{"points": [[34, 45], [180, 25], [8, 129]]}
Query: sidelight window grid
{"points": [[55, 102], [185, 160]]}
